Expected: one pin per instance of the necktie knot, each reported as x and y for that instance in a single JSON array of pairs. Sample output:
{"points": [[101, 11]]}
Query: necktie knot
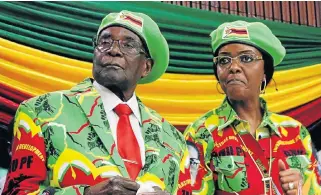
{"points": [[122, 109]]}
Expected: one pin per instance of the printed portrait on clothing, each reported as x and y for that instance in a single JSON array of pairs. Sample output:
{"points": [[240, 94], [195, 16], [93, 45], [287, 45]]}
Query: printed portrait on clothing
{"points": [[194, 158]]}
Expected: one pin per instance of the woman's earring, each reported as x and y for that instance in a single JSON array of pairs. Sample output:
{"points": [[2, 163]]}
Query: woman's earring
{"points": [[262, 88], [218, 89]]}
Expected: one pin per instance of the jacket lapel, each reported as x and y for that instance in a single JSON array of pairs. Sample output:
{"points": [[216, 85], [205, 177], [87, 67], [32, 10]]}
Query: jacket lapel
{"points": [[90, 102], [152, 134]]}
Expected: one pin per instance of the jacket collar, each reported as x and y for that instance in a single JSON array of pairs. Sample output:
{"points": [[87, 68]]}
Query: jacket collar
{"points": [[91, 103], [227, 115]]}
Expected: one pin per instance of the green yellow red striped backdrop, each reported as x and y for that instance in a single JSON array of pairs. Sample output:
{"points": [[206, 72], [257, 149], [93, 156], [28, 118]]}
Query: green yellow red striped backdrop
{"points": [[46, 46]]}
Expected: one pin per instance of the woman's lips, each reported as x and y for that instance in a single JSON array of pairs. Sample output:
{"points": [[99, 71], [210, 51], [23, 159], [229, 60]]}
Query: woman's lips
{"points": [[235, 81]]}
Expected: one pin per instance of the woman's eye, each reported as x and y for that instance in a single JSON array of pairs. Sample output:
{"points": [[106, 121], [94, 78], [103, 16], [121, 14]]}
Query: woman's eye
{"points": [[224, 60], [246, 58]]}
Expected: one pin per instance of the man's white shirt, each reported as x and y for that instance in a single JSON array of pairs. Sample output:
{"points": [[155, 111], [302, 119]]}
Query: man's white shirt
{"points": [[110, 101]]}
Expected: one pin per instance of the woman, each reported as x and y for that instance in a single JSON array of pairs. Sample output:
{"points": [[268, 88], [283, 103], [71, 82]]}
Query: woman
{"points": [[245, 148]]}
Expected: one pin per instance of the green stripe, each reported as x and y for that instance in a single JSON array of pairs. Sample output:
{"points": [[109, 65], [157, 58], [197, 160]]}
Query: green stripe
{"points": [[67, 28]]}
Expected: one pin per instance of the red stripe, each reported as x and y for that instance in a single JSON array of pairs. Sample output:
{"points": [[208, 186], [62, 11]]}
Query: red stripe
{"points": [[7, 104], [150, 151], [223, 117], [99, 159], [78, 92], [237, 31], [112, 149], [13, 94], [166, 158], [146, 121], [133, 20], [166, 144], [77, 190], [93, 107], [80, 129], [236, 172], [307, 114], [5, 118], [181, 128], [44, 124], [200, 127]]}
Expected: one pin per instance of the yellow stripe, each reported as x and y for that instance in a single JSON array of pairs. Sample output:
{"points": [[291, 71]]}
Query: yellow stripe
{"points": [[44, 55], [148, 177], [35, 192], [57, 114], [69, 156], [32, 126], [237, 35], [180, 98]]}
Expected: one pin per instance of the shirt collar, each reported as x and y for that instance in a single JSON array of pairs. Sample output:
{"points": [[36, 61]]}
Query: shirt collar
{"points": [[227, 115], [133, 104], [113, 100]]}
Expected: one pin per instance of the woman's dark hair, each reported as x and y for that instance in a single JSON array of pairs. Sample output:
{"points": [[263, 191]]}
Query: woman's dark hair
{"points": [[268, 66]]}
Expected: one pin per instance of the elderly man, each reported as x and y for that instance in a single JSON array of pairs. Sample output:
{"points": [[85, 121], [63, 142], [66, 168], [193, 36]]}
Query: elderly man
{"points": [[98, 137]]}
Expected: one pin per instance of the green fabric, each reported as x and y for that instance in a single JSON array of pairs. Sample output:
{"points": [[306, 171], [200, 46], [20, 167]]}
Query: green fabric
{"points": [[148, 31], [255, 34], [226, 110], [216, 131], [71, 25], [71, 127]]}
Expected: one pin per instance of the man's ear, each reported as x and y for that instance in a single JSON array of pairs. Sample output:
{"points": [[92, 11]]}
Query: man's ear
{"points": [[148, 67]]}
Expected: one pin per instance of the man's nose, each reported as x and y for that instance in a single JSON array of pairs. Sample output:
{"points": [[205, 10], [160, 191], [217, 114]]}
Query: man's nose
{"points": [[114, 50]]}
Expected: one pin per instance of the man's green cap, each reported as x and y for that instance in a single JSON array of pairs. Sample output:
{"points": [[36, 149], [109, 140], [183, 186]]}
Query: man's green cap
{"points": [[255, 34], [149, 33]]}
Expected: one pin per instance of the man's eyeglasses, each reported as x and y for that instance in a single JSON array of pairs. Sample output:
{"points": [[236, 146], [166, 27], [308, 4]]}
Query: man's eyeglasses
{"points": [[127, 47], [246, 59]]}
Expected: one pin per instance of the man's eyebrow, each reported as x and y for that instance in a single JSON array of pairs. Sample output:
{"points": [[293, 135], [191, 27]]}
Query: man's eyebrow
{"points": [[224, 53], [105, 35], [128, 38]]}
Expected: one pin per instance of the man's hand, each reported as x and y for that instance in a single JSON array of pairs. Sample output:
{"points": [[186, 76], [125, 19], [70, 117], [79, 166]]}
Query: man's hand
{"points": [[114, 186], [291, 179]]}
